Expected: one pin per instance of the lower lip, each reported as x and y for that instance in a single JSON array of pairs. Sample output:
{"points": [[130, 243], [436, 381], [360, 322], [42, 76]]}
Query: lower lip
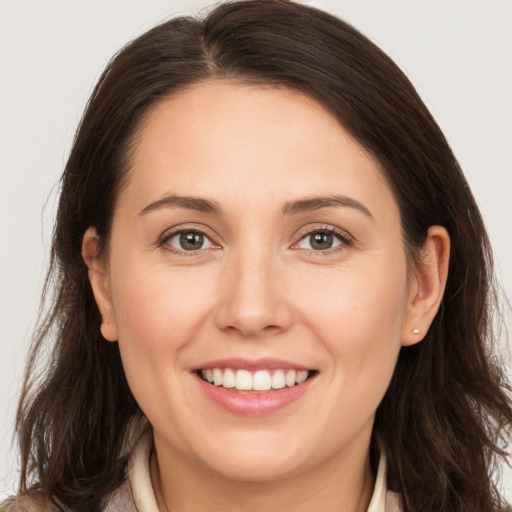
{"points": [[254, 404]]}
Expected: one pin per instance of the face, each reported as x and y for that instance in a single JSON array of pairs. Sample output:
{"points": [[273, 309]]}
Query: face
{"points": [[256, 282]]}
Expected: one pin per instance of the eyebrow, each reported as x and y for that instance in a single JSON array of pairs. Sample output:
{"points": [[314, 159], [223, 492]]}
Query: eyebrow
{"points": [[190, 203], [290, 208], [315, 203]]}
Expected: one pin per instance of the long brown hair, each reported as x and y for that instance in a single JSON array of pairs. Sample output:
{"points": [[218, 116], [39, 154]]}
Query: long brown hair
{"points": [[445, 416]]}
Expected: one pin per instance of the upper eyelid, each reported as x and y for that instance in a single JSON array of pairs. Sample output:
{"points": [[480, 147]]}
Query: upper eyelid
{"points": [[180, 228], [342, 233]]}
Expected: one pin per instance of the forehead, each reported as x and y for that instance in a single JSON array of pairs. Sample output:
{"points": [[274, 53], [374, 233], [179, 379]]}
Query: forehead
{"points": [[242, 143]]}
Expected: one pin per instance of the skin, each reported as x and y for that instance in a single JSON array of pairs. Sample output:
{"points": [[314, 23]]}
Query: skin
{"points": [[259, 289]]}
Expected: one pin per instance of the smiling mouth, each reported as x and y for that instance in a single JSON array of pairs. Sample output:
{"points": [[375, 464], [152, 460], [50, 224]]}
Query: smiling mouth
{"points": [[260, 381]]}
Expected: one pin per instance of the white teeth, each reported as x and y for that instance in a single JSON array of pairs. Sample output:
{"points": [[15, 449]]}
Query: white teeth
{"points": [[261, 380], [278, 380], [228, 380], [301, 377], [290, 378], [243, 380], [217, 377]]}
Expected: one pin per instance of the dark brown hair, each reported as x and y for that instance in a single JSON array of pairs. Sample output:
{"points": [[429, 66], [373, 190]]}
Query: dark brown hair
{"points": [[445, 416]]}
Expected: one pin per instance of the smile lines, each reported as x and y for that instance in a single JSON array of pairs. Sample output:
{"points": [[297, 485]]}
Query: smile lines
{"points": [[261, 380]]}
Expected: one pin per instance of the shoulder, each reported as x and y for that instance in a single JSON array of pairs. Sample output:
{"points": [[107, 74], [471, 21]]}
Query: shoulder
{"points": [[120, 500], [27, 503], [392, 502]]}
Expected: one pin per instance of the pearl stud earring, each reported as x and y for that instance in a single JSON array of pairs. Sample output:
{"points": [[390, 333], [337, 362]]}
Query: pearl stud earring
{"points": [[415, 331]]}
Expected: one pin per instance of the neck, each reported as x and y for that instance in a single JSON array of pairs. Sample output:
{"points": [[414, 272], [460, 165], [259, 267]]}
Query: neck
{"points": [[341, 484]]}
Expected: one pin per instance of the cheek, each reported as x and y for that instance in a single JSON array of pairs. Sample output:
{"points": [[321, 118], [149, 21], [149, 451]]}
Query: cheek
{"points": [[358, 314], [157, 312], [351, 300], [160, 309]]}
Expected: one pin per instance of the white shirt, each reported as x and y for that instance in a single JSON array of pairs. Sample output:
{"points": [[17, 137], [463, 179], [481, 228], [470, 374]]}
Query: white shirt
{"points": [[136, 494]]}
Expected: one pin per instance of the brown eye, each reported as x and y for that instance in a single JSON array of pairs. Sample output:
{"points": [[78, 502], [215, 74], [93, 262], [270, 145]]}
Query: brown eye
{"points": [[189, 241], [320, 241]]}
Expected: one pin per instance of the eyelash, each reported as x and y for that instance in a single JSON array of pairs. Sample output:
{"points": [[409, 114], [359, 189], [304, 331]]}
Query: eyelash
{"points": [[345, 238], [166, 237]]}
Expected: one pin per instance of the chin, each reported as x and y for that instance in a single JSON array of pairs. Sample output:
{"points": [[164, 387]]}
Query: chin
{"points": [[259, 460], [257, 469]]}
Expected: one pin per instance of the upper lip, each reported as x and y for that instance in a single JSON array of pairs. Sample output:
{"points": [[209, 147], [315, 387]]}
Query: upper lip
{"points": [[265, 363]]}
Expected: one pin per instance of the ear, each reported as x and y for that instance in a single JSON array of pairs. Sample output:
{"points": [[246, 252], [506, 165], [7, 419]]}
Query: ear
{"points": [[99, 279], [427, 284]]}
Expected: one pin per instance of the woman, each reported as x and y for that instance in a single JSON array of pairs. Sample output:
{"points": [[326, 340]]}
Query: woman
{"points": [[274, 286]]}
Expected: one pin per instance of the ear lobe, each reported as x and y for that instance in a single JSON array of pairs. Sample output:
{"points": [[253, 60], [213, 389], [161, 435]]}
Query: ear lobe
{"points": [[427, 285], [99, 279]]}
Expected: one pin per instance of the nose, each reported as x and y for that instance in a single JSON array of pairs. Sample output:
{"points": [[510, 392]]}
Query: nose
{"points": [[253, 298]]}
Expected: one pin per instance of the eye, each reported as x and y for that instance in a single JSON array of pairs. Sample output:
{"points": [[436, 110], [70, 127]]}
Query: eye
{"points": [[189, 240], [321, 240]]}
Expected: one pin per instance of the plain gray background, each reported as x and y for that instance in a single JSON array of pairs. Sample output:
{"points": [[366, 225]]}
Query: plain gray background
{"points": [[458, 54]]}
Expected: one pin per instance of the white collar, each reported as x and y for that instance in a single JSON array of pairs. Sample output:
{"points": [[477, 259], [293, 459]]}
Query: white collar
{"points": [[145, 501]]}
